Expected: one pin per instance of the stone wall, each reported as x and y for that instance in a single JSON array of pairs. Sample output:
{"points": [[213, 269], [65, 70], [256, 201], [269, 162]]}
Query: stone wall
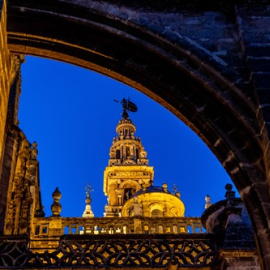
{"points": [[10, 83], [5, 68], [254, 28]]}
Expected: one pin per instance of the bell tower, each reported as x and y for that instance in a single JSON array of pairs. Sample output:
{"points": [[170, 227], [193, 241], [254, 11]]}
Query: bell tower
{"points": [[128, 170]]}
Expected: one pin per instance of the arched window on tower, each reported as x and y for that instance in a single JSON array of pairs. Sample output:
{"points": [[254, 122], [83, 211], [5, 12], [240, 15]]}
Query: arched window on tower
{"points": [[128, 151], [118, 154], [156, 213]]}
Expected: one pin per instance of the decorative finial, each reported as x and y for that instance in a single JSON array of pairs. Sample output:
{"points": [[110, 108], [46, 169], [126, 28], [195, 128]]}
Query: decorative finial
{"points": [[56, 206], [207, 201], [175, 189], [34, 150], [88, 211], [34, 144], [164, 187], [127, 106], [229, 195], [88, 189]]}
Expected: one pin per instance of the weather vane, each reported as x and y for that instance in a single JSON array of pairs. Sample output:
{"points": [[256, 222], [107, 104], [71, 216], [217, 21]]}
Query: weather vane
{"points": [[127, 106]]}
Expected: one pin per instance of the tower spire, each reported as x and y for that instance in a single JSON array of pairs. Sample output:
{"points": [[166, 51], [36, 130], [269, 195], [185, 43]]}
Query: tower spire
{"points": [[128, 167], [88, 211]]}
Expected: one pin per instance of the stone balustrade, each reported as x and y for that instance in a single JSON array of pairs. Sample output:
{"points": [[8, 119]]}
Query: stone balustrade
{"points": [[57, 226]]}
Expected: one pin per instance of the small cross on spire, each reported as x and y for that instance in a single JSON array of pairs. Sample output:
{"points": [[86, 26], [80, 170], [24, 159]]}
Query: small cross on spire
{"points": [[88, 189], [88, 211]]}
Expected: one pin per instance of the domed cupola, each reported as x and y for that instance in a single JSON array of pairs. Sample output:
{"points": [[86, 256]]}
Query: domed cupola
{"points": [[154, 201]]}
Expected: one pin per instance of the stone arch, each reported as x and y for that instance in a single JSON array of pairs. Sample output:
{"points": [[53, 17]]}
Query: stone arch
{"points": [[156, 209], [204, 93], [195, 88], [130, 184]]}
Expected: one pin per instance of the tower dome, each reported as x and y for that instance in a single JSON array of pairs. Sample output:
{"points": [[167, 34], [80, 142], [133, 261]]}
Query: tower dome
{"points": [[154, 201]]}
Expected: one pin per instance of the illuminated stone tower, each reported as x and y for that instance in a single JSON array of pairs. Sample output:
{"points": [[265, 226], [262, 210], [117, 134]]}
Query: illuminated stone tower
{"points": [[128, 170]]}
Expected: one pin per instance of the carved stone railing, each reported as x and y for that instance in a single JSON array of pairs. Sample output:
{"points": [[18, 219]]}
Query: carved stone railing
{"points": [[51, 229], [57, 226], [130, 250]]}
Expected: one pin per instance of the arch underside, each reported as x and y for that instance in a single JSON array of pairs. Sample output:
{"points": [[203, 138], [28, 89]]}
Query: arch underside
{"points": [[167, 72]]}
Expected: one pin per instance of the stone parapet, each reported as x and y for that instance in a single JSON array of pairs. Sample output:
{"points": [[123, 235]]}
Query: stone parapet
{"points": [[228, 220], [58, 226]]}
